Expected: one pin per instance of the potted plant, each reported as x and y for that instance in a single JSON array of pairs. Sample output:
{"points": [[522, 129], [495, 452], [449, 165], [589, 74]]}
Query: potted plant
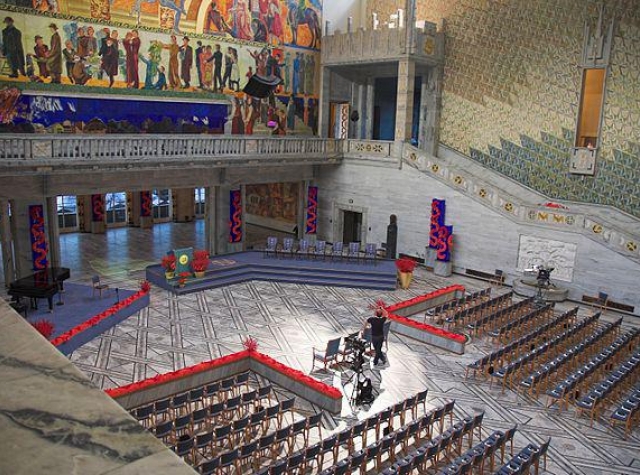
{"points": [[199, 266], [182, 278], [200, 255], [169, 265], [405, 268]]}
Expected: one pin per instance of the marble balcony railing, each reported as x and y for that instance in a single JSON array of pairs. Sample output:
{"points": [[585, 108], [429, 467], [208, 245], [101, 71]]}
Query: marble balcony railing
{"points": [[47, 149]]}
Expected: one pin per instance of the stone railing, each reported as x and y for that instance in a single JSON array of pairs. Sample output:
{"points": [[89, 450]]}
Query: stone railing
{"points": [[113, 148], [369, 46], [380, 151]]}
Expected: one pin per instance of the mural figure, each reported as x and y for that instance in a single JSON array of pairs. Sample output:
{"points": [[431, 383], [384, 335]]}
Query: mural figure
{"points": [[214, 21], [242, 20], [174, 50], [237, 121], [259, 30], [274, 22], [285, 66], [41, 51], [161, 83], [216, 57], [235, 70], [132, 49], [198, 55], [187, 61], [110, 55], [178, 9], [69, 54], [79, 73], [226, 76], [291, 114], [300, 14], [296, 73], [309, 74], [206, 67], [250, 115], [12, 48]]}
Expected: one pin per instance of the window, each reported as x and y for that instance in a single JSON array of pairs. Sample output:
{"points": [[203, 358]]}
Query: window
{"points": [[116, 207], [161, 204], [589, 117], [67, 210], [199, 201]]}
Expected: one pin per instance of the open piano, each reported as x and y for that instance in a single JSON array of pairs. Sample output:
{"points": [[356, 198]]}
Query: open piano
{"points": [[43, 284]]}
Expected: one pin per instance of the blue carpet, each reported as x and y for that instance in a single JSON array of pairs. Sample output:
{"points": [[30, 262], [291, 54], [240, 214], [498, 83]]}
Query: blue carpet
{"points": [[254, 265], [79, 306]]}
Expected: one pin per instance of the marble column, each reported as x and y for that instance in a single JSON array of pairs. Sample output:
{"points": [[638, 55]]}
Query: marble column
{"points": [[325, 109], [136, 205], [404, 105], [431, 106], [6, 241], [369, 108], [185, 203], [302, 210], [422, 124], [410, 25], [218, 221], [53, 234], [210, 219]]}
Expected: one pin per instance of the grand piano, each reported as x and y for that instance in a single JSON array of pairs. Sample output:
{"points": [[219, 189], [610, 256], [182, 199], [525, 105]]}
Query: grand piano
{"points": [[43, 284]]}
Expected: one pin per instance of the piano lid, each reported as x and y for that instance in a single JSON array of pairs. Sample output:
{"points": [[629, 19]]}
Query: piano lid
{"points": [[42, 278]]}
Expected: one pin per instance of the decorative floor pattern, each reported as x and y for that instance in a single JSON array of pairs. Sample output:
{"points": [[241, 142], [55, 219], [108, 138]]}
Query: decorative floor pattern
{"points": [[288, 319]]}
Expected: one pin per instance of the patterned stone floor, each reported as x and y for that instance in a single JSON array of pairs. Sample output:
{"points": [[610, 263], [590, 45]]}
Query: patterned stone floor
{"points": [[288, 319]]}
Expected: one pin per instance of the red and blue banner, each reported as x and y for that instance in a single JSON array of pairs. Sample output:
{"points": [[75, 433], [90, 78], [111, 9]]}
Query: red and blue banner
{"points": [[440, 235], [97, 208], [146, 204], [235, 216], [39, 247], [312, 210]]}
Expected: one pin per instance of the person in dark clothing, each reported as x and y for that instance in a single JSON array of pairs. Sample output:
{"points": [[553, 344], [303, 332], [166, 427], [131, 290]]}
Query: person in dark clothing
{"points": [[377, 334], [12, 48], [217, 69]]}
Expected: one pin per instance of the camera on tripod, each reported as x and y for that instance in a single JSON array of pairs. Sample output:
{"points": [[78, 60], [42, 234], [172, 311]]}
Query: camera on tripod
{"points": [[357, 346]]}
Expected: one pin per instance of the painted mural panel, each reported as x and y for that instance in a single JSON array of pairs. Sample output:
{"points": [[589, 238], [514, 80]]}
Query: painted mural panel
{"points": [[274, 200], [160, 48]]}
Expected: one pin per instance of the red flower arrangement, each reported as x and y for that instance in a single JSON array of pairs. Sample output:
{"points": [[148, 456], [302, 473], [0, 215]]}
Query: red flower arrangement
{"points": [[404, 264], [423, 326], [182, 278], [250, 344], [169, 262], [299, 376], [45, 327], [200, 255], [93, 321], [145, 286], [199, 265]]}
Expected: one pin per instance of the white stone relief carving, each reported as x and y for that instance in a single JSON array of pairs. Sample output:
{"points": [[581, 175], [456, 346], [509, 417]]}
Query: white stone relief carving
{"points": [[536, 251]]}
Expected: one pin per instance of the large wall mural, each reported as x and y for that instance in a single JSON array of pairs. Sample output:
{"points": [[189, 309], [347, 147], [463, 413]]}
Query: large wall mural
{"points": [[170, 48], [277, 201]]}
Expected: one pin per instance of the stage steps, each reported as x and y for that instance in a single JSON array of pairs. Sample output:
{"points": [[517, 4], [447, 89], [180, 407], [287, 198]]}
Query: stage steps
{"points": [[252, 266]]}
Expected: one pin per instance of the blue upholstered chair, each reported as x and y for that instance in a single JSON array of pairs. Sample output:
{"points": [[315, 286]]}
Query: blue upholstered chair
{"points": [[327, 356], [320, 249], [353, 251], [272, 246], [336, 250]]}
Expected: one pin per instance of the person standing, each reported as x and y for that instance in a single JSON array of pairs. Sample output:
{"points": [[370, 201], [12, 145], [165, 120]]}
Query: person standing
{"points": [[41, 50], [69, 54], [174, 63], [54, 56], [226, 76], [217, 69], [377, 334], [187, 61], [12, 48]]}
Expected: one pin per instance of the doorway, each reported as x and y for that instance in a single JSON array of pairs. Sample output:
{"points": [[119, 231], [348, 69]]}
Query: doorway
{"points": [[351, 226]]}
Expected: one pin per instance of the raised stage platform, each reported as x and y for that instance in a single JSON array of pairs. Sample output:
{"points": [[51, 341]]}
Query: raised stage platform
{"points": [[255, 265]]}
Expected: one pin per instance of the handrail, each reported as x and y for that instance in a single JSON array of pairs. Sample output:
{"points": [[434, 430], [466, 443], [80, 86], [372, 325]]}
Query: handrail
{"points": [[116, 147]]}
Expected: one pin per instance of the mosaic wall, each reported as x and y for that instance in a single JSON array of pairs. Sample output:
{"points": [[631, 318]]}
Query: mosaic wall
{"points": [[275, 200], [512, 85]]}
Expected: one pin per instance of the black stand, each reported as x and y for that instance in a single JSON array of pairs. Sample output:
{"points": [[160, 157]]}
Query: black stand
{"points": [[60, 291]]}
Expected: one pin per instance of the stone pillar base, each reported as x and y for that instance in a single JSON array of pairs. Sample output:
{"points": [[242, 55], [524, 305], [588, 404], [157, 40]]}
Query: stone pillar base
{"points": [[146, 222], [98, 227], [430, 258], [443, 269]]}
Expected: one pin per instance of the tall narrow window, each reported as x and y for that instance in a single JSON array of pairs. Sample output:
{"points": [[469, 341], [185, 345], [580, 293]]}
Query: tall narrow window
{"points": [[199, 202], [161, 204], [590, 107], [116, 208], [67, 212]]}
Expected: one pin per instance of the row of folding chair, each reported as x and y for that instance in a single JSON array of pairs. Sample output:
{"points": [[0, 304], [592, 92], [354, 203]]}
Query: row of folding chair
{"points": [[567, 390], [477, 455], [467, 315], [499, 318], [628, 412], [212, 416], [268, 446], [523, 323], [508, 353], [180, 404], [447, 309], [306, 248], [439, 447], [509, 372], [527, 458], [570, 358], [610, 388]]}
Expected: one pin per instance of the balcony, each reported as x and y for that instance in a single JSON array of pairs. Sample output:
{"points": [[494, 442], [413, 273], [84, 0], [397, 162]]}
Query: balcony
{"points": [[51, 152], [383, 45]]}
